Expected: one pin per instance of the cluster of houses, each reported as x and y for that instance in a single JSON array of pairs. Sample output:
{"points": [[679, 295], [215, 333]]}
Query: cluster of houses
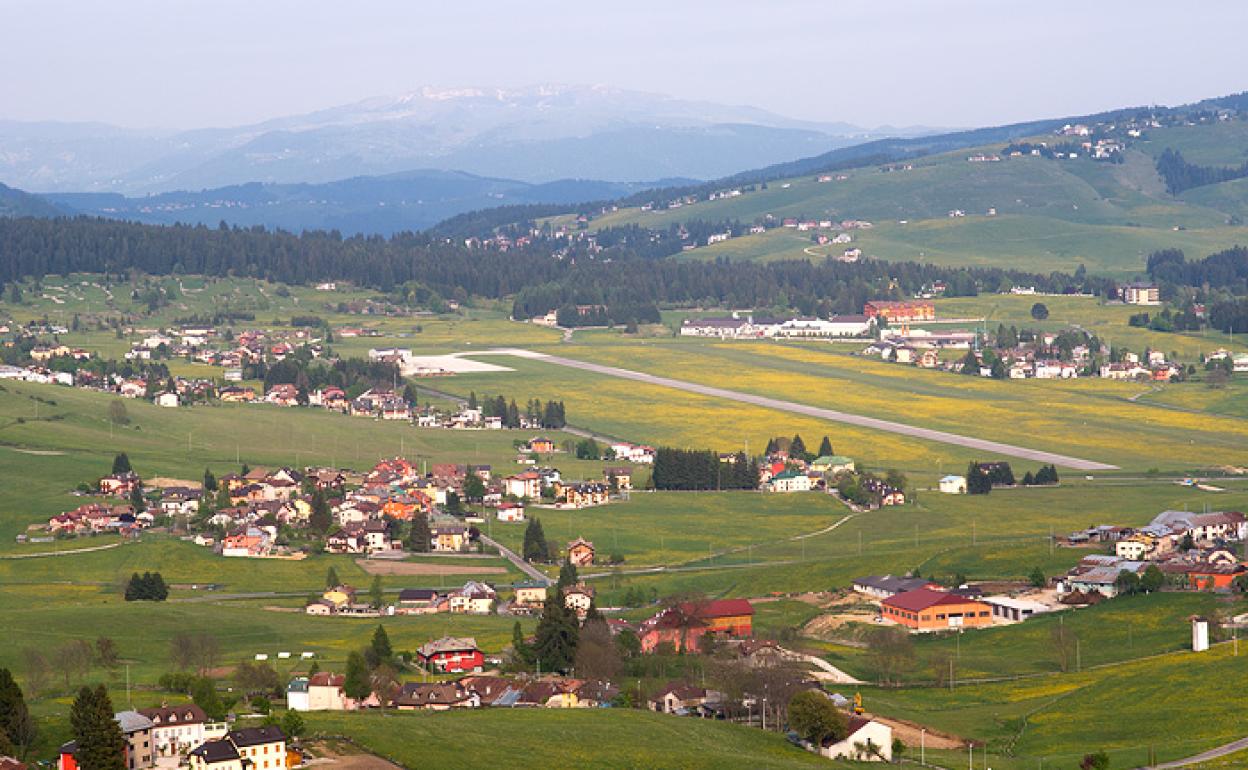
{"points": [[172, 736], [1195, 551]]}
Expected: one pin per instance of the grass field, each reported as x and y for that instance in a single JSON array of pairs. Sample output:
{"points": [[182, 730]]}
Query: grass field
{"points": [[598, 738], [1051, 215]]}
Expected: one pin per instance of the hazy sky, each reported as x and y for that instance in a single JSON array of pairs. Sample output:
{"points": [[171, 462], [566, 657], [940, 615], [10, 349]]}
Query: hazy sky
{"points": [[187, 64]]}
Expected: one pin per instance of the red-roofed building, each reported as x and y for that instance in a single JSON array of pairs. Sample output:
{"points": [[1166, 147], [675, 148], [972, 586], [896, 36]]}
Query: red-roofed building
{"points": [[926, 609], [685, 624]]}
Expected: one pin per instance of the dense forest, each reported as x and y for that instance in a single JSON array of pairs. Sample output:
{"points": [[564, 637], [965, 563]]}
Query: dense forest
{"points": [[1180, 175], [624, 283], [1226, 270]]}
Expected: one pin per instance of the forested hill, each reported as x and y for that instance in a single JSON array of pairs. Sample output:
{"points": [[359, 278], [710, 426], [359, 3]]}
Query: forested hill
{"points": [[545, 275], [16, 203]]}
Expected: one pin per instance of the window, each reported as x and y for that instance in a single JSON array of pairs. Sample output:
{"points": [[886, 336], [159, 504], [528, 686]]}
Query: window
{"points": [[940, 616]]}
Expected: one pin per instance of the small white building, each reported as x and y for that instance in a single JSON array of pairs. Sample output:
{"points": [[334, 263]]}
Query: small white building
{"points": [[167, 400], [867, 741], [953, 485]]}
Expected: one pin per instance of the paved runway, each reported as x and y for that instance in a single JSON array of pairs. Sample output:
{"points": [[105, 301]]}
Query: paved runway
{"points": [[970, 442]]}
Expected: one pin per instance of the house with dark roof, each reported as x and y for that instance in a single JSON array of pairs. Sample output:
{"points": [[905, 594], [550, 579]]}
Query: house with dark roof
{"points": [[435, 696], [884, 586], [261, 748]]}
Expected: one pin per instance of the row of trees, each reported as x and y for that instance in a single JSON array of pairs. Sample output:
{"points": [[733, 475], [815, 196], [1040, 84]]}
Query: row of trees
{"points": [[982, 477], [702, 469], [552, 415]]}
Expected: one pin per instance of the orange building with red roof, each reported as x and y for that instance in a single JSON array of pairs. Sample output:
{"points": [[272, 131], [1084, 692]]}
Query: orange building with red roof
{"points": [[926, 609]]}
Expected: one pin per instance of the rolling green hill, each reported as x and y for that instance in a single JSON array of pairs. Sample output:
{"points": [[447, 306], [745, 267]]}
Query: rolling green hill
{"points": [[1032, 212]]}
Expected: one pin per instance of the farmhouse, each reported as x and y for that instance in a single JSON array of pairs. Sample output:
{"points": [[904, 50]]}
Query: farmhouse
{"points": [[419, 601], [926, 609]]}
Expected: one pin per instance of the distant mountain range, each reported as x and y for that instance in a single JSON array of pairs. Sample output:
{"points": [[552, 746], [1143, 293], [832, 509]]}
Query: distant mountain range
{"points": [[536, 135], [411, 200]]}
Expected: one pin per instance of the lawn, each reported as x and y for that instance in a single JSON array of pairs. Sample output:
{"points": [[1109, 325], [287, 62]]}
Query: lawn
{"points": [[598, 738]]}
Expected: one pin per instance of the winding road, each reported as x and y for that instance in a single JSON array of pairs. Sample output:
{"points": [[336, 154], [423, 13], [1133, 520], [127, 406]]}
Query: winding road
{"points": [[927, 434]]}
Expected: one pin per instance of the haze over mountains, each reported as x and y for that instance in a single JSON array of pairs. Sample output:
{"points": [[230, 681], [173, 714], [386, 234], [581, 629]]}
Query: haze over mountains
{"points": [[536, 134]]}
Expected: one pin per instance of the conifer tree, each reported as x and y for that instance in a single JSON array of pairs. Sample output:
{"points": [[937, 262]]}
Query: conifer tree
{"points": [[101, 746], [825, 447], [17, 727], [356, 684], [420, 539], [121, 463]]}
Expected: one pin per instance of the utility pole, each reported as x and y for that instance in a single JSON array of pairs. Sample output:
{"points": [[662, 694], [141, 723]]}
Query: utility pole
{"points": [[923, 746]]}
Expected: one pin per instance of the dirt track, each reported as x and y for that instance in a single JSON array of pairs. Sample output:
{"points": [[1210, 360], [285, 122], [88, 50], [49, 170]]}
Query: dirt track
{"points": [[378, 567]]}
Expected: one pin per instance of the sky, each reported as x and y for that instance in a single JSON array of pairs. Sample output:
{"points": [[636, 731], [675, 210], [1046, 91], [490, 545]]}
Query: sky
{"points": [[950, 63]]}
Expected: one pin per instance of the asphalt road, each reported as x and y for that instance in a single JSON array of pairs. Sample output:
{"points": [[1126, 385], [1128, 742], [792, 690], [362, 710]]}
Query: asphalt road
{"points": [[515, 559], [928, 434]]}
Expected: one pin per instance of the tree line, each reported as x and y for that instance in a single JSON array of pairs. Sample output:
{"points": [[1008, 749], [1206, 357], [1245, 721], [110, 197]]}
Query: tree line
{"points": [[1179, 175], [702, 469]]}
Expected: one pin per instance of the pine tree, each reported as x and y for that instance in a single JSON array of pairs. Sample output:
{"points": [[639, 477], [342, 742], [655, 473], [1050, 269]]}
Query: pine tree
{"points": [[121, 463], [797, 448], [522, 652], [554, 643], [210, 481], [17, 727], [472, 400], [535, 547], [331, 578], [101, 746], [380, 647], [825, 447], [356, 684], [567, 576], [420, 539], [321, 518], [137, 501]]}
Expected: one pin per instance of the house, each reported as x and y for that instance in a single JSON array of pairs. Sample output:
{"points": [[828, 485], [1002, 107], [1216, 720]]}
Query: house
{"points": [[620, 479], [530, 593], [283, 394], [866, 740], [450, 654], [436, 696], [953, 485], [119, 484], [540, 446], [261, 748], [679, 698], [178, 729], [510, 512], [581, 494], [526, 485], [1140, 294], [788, 481], [137, 730], [580, 552], [832, 464], [473, 599], [884, 586], [449, 538], [167, 400], [684, 625], [419, 601], [215, 755], [320, 692], [926, 609], [578, 598]]}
